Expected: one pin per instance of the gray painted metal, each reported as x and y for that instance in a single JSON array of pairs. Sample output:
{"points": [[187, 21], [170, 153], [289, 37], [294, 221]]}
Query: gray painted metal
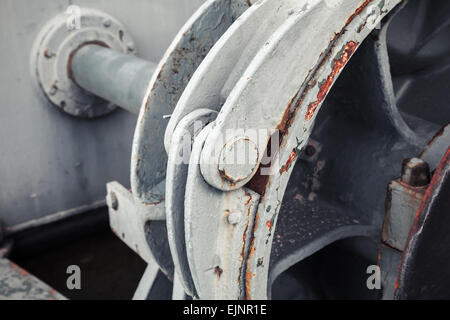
{"points": [[118, 78], [187, 51], [18, 284], [229, 58], [177, 171], [216, 249], [51, 162], [336, 35], [54, 48], [435, 149], [145, 284], [403, 201], [126, 222], [284, 75]]}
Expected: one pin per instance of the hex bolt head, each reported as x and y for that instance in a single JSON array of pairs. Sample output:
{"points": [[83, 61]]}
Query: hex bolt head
{"points": [[130, 47], [107, 23], [310, 150], [415, 172], [238, 159], [234, 217]]}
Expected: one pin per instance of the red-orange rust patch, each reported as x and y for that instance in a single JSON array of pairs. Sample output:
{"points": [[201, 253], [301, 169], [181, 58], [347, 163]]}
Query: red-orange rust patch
{"points": [[338, 64], [358, 11], [269, 224], [288, 163]]}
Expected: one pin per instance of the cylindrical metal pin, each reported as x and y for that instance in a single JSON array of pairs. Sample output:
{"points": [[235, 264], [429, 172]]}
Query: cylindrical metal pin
{"points": [[116, 77]]}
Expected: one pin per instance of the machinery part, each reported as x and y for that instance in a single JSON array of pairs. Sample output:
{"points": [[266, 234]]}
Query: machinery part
{"points": [[52, 53], [424, 271], [216, 250], [237, 108], [324, 55], [403, 201], [238, 204], [435, 149], [125, 220], [116, 77], [214, 79], [146, 283], [174, 72], [177, 171], [18, 284]]}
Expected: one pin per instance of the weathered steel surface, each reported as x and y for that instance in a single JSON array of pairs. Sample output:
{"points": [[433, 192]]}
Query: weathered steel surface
{"points": [[218, 232], [324, 54], [126, 222], [284, 107], [51, 162], [53, 51], [403, 201], [18, 284], [425, 271], [173, 73], [228, 59], [176, 176]]}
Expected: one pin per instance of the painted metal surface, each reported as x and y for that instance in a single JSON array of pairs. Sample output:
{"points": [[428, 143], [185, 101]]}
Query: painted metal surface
{"points": [[52, 162], [17, 284], [324, 54], [228, 59], [173, 73], [239, 108], [177, 171], [424, 270], [53, 51], [217, 246], [121, 79], [125, 221]]}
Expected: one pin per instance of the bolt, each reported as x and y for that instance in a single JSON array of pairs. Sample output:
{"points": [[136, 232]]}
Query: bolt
{"points": [[415, 172], [48, 53], [53, 90], [130, 47], [114, 201], [234, 218], [107, 23], [310, 150], [238, 159]]}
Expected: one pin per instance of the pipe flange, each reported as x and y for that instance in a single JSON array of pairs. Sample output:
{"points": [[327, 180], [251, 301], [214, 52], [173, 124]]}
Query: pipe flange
{"points": [[54, 47]]}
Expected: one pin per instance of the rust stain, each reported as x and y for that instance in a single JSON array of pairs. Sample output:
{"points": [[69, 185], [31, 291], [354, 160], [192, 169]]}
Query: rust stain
{"points": [[339, 62], [259, 182], [72, 54], [288, 163], [249, 198], [218, 271], [248, 274], [358, 11]]}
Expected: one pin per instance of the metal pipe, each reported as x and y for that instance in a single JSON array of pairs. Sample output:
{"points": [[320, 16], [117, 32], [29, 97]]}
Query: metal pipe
{"points": [[116, 77]]}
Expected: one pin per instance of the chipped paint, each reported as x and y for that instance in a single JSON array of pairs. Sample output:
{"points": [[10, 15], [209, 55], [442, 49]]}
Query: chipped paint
{"points": [[292, 157], [338, 64]]}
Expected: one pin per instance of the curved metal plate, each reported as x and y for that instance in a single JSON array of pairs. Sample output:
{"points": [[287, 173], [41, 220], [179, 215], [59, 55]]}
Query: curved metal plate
{"points": [[188, 49], [177, 170], [337, 32], [218, 227], [324, 51], [226, 62]]}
